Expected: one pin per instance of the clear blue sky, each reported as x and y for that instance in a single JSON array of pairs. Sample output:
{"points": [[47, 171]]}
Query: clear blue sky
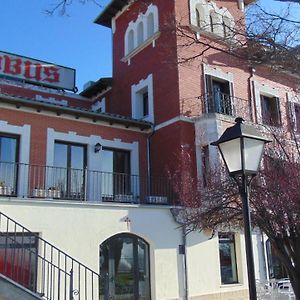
{"points": [[72, 41]]}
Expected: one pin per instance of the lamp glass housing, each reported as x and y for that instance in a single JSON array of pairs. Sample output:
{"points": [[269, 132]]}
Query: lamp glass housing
{"points": [[231, 152], [242, 155], [253, 151]]}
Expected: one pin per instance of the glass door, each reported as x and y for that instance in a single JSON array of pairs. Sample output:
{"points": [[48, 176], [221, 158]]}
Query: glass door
{"points": [[68, 172], [124, 266], [8, 165]]}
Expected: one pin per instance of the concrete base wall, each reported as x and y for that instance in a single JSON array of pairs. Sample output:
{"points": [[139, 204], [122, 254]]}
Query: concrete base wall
{"points": [[9, 290]]}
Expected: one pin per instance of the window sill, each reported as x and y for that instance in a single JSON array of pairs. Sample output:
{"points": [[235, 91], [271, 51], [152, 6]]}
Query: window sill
{"points": [[230, 285], [142, 46], [230, 40]]}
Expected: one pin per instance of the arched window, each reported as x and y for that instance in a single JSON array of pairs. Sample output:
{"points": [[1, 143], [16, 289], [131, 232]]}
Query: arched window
{"points": [[130, 43], [150, 25], [124, 267], [198, 18], [140, 33], [276, 268], [226, 27], [211, 23]]}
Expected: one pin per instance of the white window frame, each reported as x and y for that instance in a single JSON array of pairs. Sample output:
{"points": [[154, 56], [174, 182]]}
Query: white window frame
{"points": [[261, 89], [133, 25], [136, 89], [23, 132], [205, 10], [94, 160]]}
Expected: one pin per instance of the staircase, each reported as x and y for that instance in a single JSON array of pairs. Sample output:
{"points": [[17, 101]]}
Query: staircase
{"points": [[36, 269], [10, 290]]}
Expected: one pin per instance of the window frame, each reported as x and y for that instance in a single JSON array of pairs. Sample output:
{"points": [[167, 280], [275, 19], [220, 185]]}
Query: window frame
{"points": [[135, 239], [210, 99], [69, 167], [232, 241], [16, 162], [264, 98]]}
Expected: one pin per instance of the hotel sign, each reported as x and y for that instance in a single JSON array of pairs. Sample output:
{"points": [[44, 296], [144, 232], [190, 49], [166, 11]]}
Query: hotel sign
{"points": [[36, 71]]}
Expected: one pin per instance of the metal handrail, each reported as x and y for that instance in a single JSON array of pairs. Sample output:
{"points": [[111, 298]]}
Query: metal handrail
{"points": [[43, 268], [39, 181], [218, 102]]}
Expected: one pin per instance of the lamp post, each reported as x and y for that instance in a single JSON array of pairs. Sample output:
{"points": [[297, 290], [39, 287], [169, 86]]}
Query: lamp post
{"points": [[242, 147]]}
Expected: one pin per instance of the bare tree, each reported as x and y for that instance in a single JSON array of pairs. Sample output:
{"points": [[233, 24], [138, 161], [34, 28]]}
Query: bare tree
{"points": [[274, 201], [61, 6]]}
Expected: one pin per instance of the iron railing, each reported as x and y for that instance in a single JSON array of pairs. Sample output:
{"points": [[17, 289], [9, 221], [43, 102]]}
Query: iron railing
{"points": [[218, 103], [34, 181], [41, 267]]}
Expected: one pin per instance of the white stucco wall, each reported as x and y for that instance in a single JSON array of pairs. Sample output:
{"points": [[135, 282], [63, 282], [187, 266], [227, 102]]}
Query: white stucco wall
{"points": [[80, 228]]}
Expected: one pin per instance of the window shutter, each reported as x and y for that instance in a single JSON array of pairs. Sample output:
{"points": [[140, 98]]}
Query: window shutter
{"points": [[208, 81], [263, 108], [278, 110], [208, 93], [292, 115]]}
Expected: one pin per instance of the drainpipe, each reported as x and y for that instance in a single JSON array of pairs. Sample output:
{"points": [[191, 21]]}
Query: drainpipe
{"points": [[185, 279], [251, 95], [263, 244], [176, 213]]}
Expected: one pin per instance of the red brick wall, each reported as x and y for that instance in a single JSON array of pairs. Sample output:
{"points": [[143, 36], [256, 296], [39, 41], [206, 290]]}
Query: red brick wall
{"points": [[158, 60], [40, 123]]}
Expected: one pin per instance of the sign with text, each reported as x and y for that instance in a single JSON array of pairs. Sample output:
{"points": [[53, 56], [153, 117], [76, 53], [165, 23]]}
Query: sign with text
{"points": [[36, 71]]}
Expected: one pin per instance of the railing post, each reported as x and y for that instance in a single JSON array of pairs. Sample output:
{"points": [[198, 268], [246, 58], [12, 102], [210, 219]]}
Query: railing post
{"points": [[71, 285], [85, 183]]}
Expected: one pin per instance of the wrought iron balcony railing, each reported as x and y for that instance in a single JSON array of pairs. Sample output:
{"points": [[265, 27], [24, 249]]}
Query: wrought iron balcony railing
{"points": [[34, 181], [218, 103]]}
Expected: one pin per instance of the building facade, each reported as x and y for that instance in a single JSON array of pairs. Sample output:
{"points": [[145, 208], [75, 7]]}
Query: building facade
{"points": [[86, 174]]}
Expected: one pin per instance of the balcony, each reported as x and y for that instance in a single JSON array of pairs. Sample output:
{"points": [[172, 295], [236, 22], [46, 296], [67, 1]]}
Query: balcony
{"points": [[45, 182], [218, 103]]}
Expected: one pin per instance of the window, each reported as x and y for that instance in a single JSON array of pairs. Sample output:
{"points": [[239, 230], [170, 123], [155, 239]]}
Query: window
{"points": [[140, 33], [211, 23], [228, 264], [142, 29], [150, 25], [145, 103], [218, 96], [67, 175], [142, 100], [270, 110], [124, 268], [142, 105], [210, 18], [198, 19], [130, 41], [297, 117], [18, 258], [226, 27], [276, 269], [8, 164], [116, 174]]}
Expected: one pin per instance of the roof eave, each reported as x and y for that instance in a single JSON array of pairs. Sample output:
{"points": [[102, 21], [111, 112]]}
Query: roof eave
{"points": [[113, 7], [18, 102]]}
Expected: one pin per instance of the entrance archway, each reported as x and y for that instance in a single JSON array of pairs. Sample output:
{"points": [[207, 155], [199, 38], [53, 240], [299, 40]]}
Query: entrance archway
{"points": [[124, 267]]}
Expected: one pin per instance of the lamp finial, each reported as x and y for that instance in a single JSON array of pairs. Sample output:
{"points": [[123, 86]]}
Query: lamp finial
{"points": [[239, 120]]}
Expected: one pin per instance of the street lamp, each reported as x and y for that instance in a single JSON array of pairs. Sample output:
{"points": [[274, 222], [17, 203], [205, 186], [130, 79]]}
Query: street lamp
{"points": [[242, 147]]}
